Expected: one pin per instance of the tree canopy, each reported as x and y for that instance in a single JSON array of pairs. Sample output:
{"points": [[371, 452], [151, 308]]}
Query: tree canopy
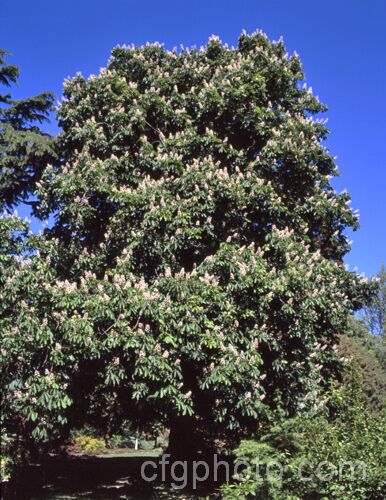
{"points": [[24, 148], [374, 313], [193, 272]]}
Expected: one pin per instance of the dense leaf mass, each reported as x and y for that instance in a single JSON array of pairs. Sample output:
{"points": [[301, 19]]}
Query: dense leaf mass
{"points": [[24, 147], [195, 263]]}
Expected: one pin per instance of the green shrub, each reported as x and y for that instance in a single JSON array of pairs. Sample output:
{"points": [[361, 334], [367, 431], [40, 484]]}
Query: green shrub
{"points": [[146, 445], [321, 442], [373, 376], [120, 441], [355, 435]]}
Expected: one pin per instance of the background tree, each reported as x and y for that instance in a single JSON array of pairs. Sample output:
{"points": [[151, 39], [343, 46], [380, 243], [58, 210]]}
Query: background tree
{"points": [[368, 360], [24, 148], [194, 271], [374, 344], [374, 313]]}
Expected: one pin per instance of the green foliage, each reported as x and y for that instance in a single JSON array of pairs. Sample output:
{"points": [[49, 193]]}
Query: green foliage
{"points": [[24, 148], [194, 268], [124, 437], [6, 459], [374, 313], [86, 430], [320, 450], [120, 441], [375, 344], [33, 369], [8, 74], [357, 328], [5, 467], [372, 373]]}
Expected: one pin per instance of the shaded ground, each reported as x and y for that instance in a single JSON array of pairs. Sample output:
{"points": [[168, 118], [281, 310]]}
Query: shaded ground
{"points": [[115, 475]]}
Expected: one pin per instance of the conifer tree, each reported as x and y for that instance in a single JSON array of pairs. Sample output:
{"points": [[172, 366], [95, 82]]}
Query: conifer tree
{"points": [[24, 148]]}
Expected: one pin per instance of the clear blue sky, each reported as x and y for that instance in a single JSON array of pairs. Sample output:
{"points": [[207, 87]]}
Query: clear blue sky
{"points": [[342, 44]]}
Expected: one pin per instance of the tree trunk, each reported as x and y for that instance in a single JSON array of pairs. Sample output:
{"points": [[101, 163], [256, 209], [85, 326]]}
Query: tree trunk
{"points": [[182, 438]]}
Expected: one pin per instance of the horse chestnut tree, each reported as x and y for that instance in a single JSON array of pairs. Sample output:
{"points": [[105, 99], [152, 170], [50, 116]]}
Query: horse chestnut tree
{"points": [[193, 272]]}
